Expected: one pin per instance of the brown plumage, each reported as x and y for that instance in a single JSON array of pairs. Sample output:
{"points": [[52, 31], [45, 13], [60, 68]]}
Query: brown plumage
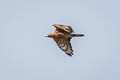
{"points": [[62, 36]]}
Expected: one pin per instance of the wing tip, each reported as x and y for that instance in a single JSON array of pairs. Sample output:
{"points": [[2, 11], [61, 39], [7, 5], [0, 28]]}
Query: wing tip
{"points": [[70, 54]]}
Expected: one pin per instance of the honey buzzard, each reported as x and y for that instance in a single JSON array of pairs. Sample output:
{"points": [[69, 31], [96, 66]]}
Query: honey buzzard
{"points": [[62, 36]]}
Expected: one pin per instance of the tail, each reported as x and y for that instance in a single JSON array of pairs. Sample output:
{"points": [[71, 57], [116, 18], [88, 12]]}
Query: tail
{"points": [[78, 35]]}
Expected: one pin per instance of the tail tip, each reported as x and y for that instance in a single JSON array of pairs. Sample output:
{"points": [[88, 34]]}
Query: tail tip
{"points": [[81, 35]]}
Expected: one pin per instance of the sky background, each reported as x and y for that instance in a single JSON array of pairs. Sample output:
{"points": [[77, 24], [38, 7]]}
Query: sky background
{"points": [[25, 54]]}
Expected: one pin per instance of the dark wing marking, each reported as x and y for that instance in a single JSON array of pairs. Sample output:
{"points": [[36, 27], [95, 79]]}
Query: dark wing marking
{"points": [[63, 28], [64, 45]]}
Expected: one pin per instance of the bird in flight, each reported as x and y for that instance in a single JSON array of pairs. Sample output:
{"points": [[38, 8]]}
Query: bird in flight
{"points": [[62, 36]]}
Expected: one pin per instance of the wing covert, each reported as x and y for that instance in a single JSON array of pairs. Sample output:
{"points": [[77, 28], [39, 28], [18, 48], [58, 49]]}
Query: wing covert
{"points": [[63, 28]]}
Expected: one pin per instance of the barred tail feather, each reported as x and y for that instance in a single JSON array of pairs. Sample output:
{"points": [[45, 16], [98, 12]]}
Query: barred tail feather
{"points": [[77, 35]]}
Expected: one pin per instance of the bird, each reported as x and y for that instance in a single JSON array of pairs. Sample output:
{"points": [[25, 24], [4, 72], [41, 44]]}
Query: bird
{"points": [[62, 36]]}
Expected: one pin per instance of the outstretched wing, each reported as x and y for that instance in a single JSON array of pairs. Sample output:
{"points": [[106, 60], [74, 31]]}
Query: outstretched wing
{"points": [[63, 28], [64, 45]]}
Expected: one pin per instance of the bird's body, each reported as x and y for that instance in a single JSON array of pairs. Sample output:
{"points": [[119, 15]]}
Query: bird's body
{"points": [[62, 36]]}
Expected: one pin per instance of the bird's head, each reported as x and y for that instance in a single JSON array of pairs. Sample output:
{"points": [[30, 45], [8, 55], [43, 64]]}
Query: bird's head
{"points": [[49, 35]]}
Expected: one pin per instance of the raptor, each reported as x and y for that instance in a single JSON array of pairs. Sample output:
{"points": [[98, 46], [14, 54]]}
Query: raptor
{"points": [[62, 36]]}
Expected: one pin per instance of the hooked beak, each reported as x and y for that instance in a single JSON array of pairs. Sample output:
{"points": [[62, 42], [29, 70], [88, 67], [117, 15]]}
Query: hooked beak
{"points": [[46, 36]]}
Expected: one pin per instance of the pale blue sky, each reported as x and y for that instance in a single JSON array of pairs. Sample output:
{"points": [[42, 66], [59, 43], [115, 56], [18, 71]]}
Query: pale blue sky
{"points": [[25, 54]]}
